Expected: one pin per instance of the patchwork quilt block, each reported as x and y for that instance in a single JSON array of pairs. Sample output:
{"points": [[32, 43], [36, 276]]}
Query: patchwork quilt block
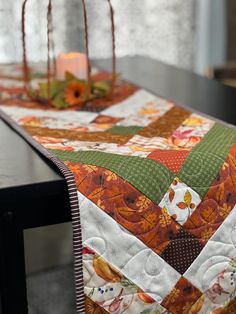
{"points": [[156, 185]]}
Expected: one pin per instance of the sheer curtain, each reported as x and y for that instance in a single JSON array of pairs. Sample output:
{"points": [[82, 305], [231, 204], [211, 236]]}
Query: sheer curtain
{"points": [[212, 34], [157, 28]]}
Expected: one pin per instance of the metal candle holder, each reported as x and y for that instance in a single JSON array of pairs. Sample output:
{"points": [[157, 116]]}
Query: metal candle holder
{"points": [[51, 71]]}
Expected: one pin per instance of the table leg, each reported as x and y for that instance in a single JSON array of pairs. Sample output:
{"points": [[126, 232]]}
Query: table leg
{"points": [[12, 267]]}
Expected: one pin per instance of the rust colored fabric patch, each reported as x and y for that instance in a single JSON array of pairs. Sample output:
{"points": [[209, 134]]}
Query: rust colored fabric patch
{"points": [[101, 119], [166, 124], [172, 159], [182, 297], [93, 308], [79, 136], [128, 206], [217, 203], [182, 251], [230, 308]]}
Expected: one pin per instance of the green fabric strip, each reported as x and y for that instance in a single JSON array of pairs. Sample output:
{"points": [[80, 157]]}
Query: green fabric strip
{"points": [[119, 129], [149, 177], [205, 160]]}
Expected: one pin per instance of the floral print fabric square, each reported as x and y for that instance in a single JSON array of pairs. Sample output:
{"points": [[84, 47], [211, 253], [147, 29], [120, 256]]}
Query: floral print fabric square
{"points": [[180, 201]]}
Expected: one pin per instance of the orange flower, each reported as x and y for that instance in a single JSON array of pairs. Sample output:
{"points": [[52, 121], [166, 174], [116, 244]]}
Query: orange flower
{"points": [[75, 93]]}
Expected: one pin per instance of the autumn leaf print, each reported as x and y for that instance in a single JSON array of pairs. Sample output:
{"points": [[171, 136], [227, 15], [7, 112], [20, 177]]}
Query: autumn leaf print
{"points": [[220, 192], [225, 210], [97, 193], [187, 201], [143, 202], [110, 176], [182, 205], [195, 309], [164, 218], [174, 294], [187, 198], [90, 168], [171, 195], [232, 161], [208, 214]]}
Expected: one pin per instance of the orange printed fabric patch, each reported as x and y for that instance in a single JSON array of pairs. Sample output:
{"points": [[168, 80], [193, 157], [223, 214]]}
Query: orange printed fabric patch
{"points": [[172, 159], [217, 203], [128, 206], [182, 297]]}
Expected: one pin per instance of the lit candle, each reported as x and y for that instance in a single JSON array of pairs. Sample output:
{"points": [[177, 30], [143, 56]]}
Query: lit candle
{"points": [[73, 62]]}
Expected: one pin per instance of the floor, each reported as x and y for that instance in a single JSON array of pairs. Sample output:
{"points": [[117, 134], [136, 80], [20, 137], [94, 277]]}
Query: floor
{"points": [[52, 291]]}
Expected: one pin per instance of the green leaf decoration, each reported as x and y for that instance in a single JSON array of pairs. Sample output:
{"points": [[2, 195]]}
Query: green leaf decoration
{"points": [[57, 87], [70, 77], [31, 91], [59, 103], [91, 293], [100, 89], [43, 91], [127, 283], [103, 86]]}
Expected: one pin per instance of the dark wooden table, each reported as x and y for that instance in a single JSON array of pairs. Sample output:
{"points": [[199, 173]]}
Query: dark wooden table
{"points": [[33, 193]]}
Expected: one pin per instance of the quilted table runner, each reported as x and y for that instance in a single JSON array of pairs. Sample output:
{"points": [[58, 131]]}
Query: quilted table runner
{"points": [[156, 187]]}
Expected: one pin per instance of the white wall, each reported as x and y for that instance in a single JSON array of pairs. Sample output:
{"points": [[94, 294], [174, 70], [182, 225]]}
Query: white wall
{"points": [[162, 29]]}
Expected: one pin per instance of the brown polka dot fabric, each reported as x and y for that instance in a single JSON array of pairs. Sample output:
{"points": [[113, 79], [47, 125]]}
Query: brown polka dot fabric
{"points": [[182, 251]]}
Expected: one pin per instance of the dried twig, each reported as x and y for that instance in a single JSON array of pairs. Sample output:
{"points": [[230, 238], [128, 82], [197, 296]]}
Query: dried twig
{"points": [[25, 62], [87, 48], [113, 47]]}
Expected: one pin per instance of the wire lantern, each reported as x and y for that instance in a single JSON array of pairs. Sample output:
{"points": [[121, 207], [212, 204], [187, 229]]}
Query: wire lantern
{"points": [[51, 62]]}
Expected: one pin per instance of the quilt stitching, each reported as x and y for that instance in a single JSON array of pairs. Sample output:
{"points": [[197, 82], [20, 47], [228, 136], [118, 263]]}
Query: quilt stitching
{"points": [[127, 155], [166, 124], [151, 178], [108, 287], [127, 205]]}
